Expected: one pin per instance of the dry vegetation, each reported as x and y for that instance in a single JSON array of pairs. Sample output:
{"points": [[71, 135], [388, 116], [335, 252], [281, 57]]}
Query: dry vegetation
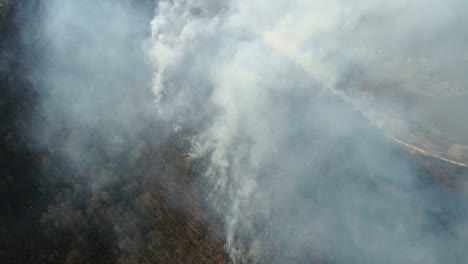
{"points": [[149, 210]]}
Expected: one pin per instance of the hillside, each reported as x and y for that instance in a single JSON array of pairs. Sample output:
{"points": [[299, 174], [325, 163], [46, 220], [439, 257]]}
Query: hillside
{"points": [[151, 212], [92, 172]]}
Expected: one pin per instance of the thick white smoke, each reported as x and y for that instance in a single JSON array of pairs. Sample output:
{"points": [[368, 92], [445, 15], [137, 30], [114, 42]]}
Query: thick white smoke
{"points": [[296, 165]]}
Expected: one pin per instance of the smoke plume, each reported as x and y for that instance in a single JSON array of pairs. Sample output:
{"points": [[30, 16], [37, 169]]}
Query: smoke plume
{"points": [[297, 162], [289, 108]]}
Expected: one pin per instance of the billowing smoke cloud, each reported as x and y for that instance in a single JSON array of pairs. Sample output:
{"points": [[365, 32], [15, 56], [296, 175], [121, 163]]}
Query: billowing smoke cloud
{"points": [[285, 104], [274, 94]]}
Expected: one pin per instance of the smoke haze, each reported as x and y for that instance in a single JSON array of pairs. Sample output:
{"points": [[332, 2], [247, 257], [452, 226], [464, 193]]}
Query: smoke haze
{"points": [[298, 164], [89, 172], [288, 109], [92, 78]]}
